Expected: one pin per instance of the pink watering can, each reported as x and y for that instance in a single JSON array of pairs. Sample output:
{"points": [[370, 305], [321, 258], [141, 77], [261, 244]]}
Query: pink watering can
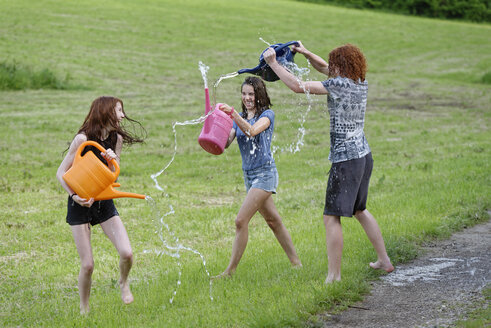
{"points": [[216, 129]]}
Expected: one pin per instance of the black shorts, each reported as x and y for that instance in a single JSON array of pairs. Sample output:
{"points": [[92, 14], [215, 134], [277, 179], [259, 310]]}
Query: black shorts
{"points": [[347, 187], [99, 212]]}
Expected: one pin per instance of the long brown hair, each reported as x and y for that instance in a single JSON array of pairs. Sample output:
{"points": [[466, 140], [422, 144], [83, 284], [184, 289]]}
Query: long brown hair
{"points": [[261, 98], [350, 62], [102, 115]]}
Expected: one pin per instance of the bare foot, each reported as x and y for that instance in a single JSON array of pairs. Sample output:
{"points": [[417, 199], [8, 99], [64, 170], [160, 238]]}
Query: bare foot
{"points": [[379, 265], [331, 279], [297, 265], [126, 295], [84, 309], [224, 274]]}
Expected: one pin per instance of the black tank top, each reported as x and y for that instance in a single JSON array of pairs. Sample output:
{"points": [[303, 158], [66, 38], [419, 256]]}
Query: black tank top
{"points": [[106, 144]]}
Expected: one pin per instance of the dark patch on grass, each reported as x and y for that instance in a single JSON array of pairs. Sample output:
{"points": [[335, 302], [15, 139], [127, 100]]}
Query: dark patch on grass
{"points": [[17, 77], [486, 78], [15, 225]]}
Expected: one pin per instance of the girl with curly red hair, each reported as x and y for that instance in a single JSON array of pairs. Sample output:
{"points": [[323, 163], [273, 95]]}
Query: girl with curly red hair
{"points": [[347, 186]]}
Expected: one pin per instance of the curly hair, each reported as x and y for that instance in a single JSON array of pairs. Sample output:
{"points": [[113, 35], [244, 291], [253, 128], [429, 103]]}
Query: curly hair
{"points": [[262, 101], [349, 61]]}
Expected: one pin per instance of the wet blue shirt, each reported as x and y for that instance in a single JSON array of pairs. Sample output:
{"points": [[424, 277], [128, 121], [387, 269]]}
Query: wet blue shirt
{"points": [[256, 151]]}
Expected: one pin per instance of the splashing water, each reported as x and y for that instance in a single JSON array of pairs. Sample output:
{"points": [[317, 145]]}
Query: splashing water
{"points": [[299, 73], [222, 77], [253, 150], [175, 249], [195, 121], [204, 69], [230, 75], [269, 44], [295, 146]]}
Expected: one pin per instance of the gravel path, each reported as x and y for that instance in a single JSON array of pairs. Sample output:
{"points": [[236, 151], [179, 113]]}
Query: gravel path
{"points": [[434, 290]]}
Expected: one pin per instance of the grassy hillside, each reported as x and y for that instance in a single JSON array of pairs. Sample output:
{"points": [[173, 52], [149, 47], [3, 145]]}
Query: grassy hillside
{"points": [[427, 123]]}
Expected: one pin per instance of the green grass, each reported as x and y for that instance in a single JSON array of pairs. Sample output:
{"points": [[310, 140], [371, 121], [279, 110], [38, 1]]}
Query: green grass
{"points": [[17, 77], [481, 316], [427, 124], [486, 78]]}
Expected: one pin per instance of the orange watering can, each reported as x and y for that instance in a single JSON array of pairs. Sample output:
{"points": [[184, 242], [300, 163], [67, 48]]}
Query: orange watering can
{"points": [[89, 177]]}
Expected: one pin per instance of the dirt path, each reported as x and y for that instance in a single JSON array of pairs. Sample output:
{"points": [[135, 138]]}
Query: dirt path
{"points": [[434, 290]]}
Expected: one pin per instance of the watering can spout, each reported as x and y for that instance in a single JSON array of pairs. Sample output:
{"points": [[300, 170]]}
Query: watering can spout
{"points": [[247, 70], [110, 193], [207, 101]]}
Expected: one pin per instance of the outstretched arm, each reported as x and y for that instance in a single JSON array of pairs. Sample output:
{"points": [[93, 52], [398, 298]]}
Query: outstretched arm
{"points": [[316, 61], [296, 85]]}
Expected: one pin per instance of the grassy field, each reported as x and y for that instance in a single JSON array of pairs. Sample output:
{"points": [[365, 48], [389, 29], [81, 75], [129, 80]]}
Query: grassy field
{"points": [[427, 123]]}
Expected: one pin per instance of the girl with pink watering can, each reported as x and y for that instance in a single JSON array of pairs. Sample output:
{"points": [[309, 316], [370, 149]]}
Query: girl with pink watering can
{"points": [[216, 128], [254, 131], [101, 125]]}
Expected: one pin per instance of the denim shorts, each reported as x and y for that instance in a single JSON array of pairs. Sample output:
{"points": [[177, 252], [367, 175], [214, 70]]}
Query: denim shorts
{"points": [[264, 177]]}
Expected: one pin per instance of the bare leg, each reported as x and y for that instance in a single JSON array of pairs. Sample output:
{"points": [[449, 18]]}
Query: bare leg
{"points": [[272, 217], [334, 241], [116, 232], [372, 230], [81, 235], [253, 201]]}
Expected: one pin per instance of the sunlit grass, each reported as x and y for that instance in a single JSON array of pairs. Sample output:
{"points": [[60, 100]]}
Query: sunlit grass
{"points": [[428, 130]]}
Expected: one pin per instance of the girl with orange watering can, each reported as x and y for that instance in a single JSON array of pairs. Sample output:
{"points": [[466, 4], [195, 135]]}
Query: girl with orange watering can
{"points": [[254, 131], [102, 125]]}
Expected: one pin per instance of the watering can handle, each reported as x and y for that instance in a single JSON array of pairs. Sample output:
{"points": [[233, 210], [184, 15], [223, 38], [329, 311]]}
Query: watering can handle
{"points": [[278, 48], [96, 145], [262, 63], [285, 45]]}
